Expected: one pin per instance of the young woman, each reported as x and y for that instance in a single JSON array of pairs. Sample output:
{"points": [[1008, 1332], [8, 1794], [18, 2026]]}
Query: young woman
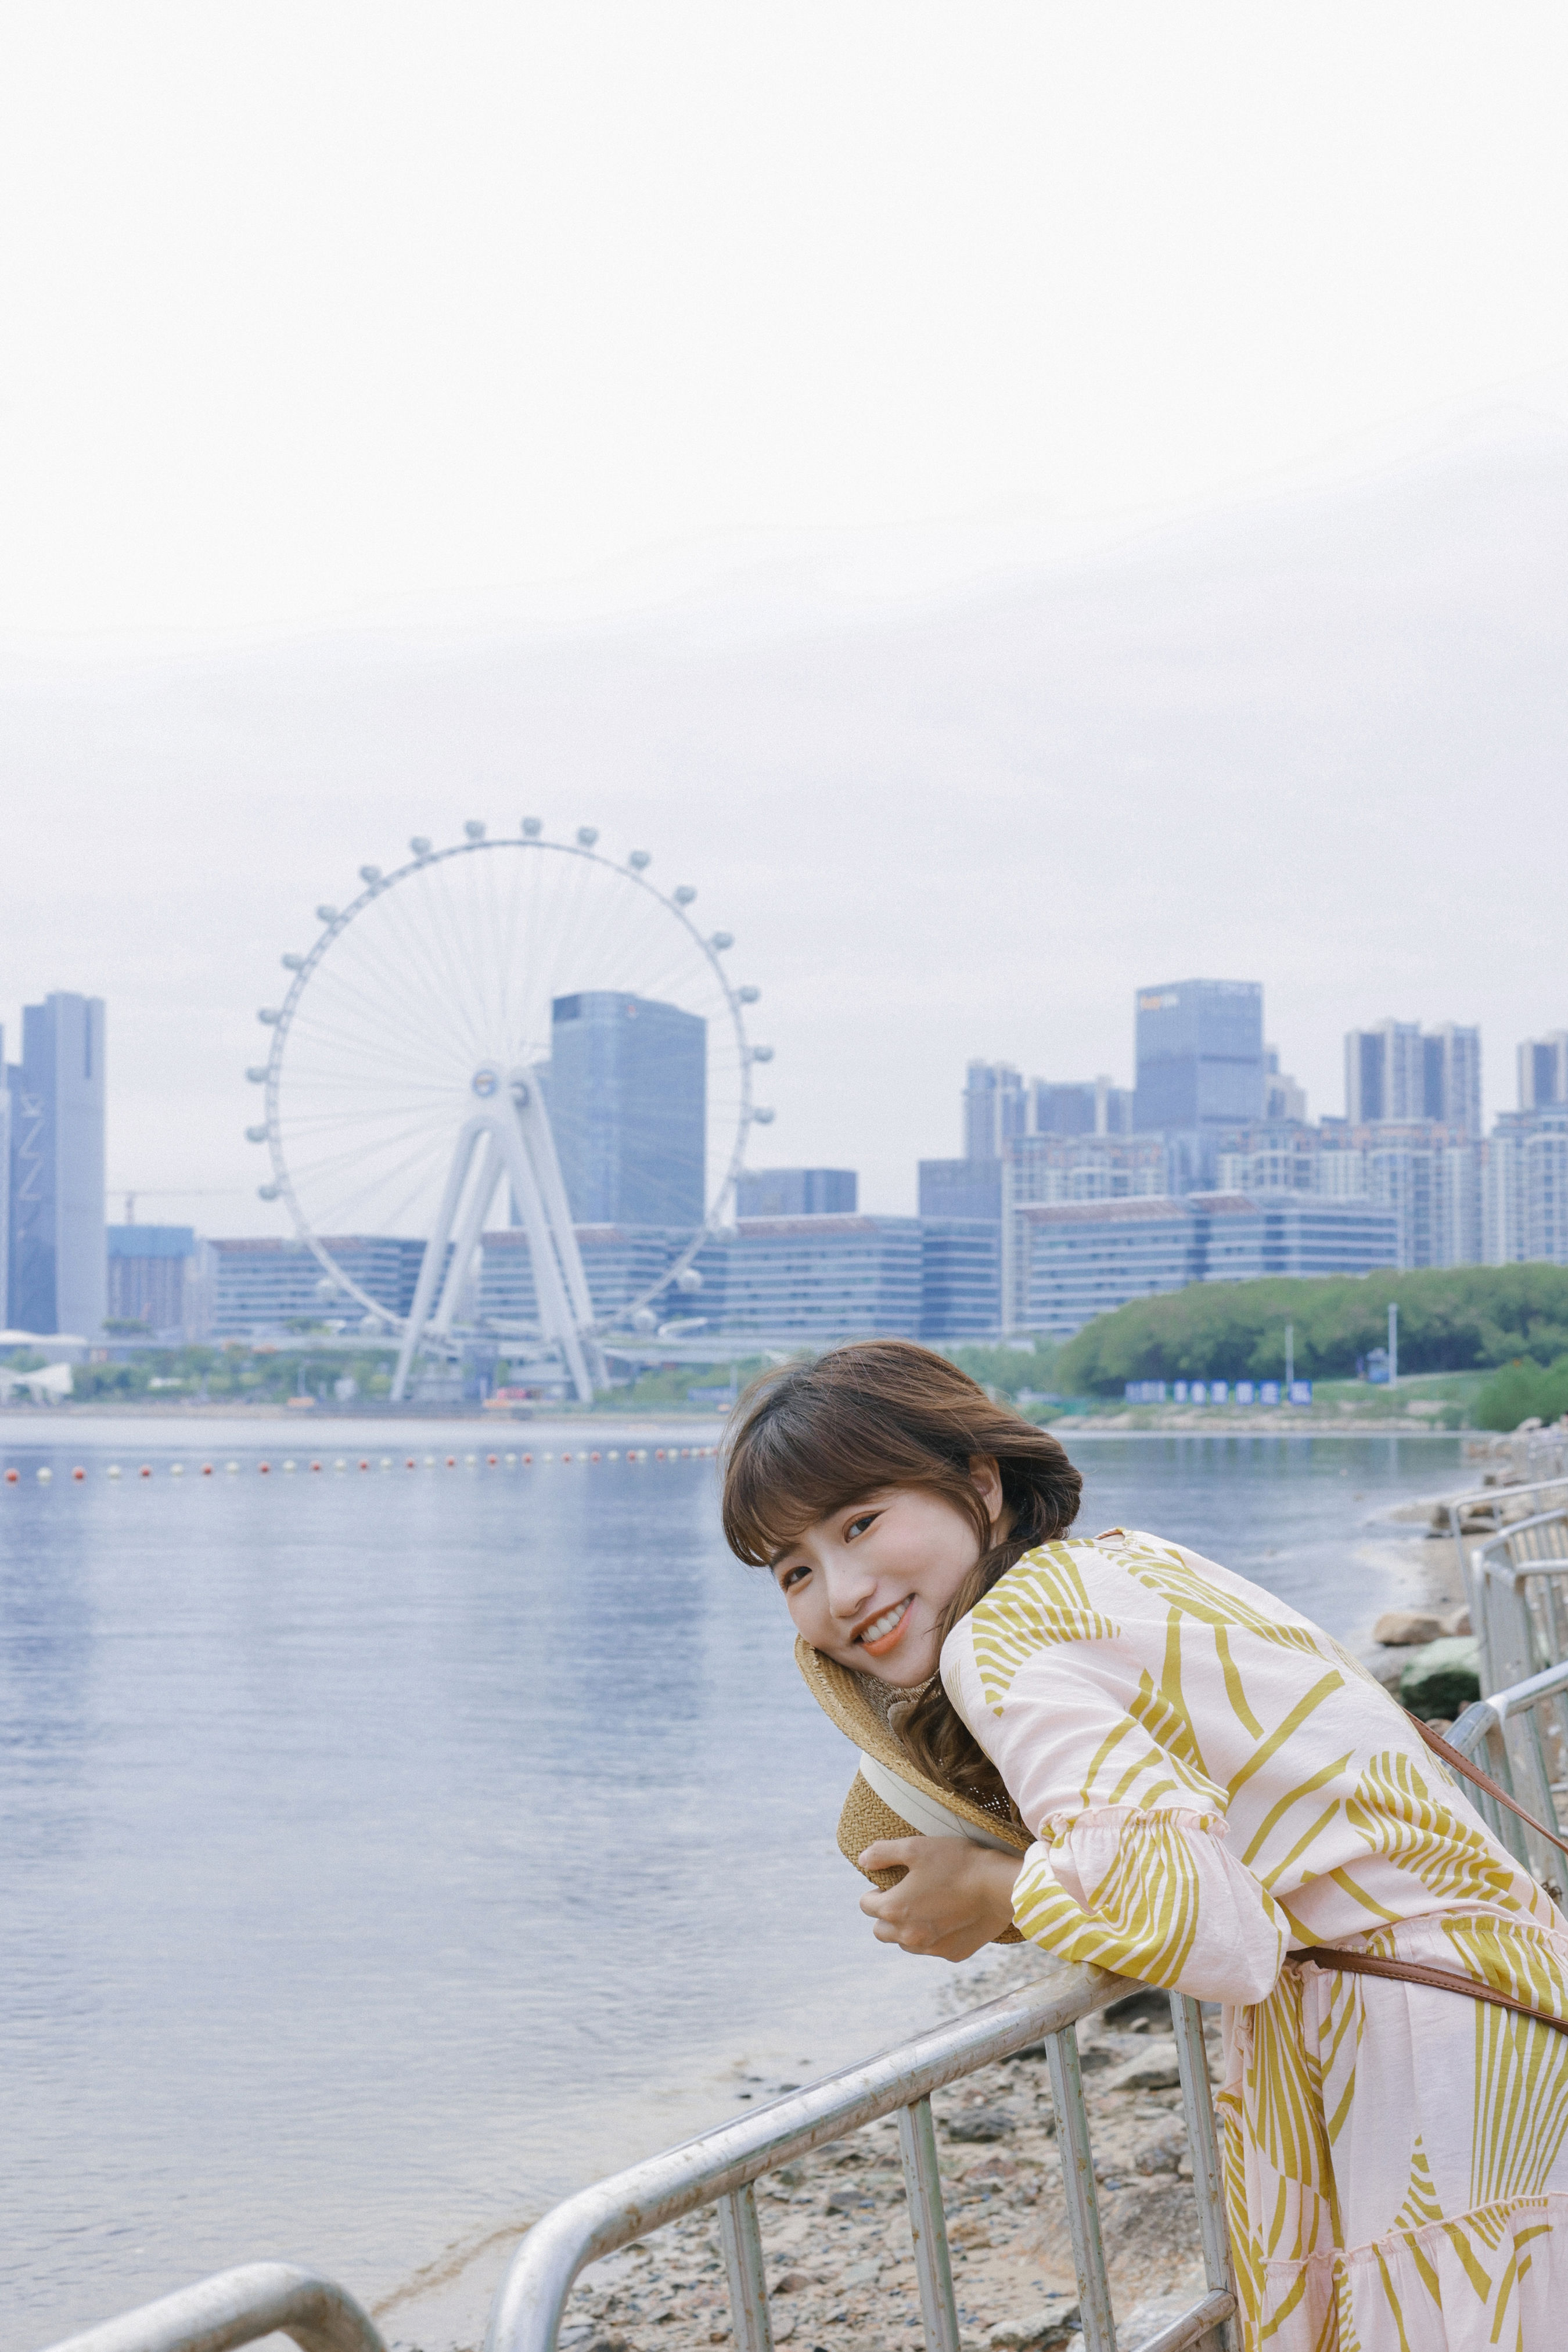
{"points": [[1133, 1757]]}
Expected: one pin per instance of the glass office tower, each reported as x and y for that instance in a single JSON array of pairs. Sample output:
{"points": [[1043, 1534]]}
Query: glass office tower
{"points": [[627, 1091], [58, 1247], [1201, 1067]]}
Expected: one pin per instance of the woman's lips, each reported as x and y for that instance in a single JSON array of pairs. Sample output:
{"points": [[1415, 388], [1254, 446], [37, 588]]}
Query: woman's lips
{"points": [[882, 1632]]}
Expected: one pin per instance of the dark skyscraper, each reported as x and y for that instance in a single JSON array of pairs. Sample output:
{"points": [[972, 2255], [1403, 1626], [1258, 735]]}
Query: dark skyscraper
{"points": [[627, 1092], [58, 1250], [1200, 1065]]}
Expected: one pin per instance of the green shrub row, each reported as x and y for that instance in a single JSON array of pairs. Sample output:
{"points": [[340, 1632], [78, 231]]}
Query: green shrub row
{"points": [[1451, 1319]]}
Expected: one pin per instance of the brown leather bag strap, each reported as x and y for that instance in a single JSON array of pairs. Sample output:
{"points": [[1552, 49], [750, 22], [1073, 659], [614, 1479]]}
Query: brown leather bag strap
{"points": [[1362, 1964], [1469, 1772]]}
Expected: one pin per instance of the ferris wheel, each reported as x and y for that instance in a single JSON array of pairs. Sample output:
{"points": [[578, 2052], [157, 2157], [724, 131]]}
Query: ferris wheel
{"points": [[417, 1086]]}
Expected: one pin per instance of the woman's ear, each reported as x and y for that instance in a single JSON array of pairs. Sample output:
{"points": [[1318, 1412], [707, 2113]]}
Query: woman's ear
{"points": [[988, 1480]]}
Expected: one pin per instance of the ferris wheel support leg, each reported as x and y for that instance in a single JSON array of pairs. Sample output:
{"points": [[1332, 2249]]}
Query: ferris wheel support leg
{"points": [[434, 1257], [538, 1141], [550, 1246], [470, 1225]]}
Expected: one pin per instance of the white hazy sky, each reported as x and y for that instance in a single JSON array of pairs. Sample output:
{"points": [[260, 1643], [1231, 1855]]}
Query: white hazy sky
{"points": [[1014, 502], [327, 309]]}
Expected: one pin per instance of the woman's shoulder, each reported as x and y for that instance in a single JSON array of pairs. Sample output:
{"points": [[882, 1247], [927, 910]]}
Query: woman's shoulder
{"points": [[1122, 1584], [1063, 1591]]}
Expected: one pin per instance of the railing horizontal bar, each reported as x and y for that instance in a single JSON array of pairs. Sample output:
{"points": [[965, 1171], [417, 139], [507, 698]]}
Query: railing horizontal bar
{"points": [[238, 2306], [647, 2196], [1193, 2325], [1519, 1697]]}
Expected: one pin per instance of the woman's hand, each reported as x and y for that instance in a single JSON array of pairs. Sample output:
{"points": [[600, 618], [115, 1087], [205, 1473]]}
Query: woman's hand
{"points": [[955, 1896]]}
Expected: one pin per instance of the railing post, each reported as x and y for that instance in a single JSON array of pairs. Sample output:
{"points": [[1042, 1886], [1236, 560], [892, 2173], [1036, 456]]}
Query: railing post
{"points": [[742, 2243], [1208, 2177], [1510, 1829], [1077, 2184], [928, 2226]]}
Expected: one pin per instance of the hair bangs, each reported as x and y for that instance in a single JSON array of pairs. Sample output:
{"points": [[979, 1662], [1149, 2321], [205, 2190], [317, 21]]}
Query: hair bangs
{"points": [[798, 1454]]}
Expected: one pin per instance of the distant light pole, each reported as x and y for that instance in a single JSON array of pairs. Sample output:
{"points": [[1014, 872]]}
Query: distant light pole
{"points": [[1289, 1357], [1393, 1344]]}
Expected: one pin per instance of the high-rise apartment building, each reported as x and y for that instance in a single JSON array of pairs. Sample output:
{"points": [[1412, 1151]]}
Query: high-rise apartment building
{"points": [[995, 1109], [1282, 1097], [1542, 1064], [1080, 1107], [1525, 1188], [1400, 1074], [57, 1250], [627, 1090], [1047, 1168], [1200, 1068], [797, 1192]]}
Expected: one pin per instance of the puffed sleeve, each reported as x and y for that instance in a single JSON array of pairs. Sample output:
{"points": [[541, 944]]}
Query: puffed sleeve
{"points": [[1130, 1869]]}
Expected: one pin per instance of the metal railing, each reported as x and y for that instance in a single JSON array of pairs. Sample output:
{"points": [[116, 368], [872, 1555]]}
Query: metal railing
{"points": [[1506, 1736], [1519, 1606], [1527, 1452], [236, 2307], [720, 2167], [1487, 1511]]}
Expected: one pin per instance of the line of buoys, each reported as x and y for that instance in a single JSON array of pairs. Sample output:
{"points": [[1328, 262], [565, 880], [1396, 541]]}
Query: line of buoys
{"points": [[44, 1475]]}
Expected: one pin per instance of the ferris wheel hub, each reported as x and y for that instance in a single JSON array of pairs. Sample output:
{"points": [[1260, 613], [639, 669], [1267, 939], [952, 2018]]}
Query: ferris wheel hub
{"points": [[486, 1081]]}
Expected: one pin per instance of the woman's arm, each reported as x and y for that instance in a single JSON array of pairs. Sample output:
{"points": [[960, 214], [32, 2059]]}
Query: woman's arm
{"points": [[1133, 1869], [954, 1897]]}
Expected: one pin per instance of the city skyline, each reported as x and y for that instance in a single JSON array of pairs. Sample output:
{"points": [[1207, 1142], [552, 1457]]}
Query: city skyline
{"points": [[1060, 1206]]}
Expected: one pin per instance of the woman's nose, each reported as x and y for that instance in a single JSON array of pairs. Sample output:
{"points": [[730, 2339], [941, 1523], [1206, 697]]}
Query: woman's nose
{"points": [[849, 1588]]}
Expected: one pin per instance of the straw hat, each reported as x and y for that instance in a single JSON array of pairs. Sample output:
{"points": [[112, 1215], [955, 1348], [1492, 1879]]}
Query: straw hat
{"points": [[889, 1788]]}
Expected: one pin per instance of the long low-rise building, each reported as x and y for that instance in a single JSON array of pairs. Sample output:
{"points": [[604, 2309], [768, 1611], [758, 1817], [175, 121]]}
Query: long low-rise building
{"points": [[812, 1277], [1075, 1260], [256, 1284]]}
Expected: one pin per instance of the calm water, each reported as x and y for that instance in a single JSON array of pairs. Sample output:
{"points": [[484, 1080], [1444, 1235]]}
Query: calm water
{"points": [[384, 1854]]}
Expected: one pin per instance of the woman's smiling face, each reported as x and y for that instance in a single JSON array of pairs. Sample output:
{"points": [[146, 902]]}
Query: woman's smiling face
{"points": [[871, 1583]]}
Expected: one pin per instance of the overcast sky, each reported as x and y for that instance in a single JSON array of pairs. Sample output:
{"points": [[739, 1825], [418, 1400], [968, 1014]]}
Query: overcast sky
{"points": [[1019, 502]]}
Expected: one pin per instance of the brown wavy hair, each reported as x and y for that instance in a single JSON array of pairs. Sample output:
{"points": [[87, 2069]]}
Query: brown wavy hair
{"points": [[807, 1439]]}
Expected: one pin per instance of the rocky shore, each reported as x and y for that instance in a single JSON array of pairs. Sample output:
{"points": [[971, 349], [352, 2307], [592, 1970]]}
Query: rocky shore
{"points": [[835, 2226]]}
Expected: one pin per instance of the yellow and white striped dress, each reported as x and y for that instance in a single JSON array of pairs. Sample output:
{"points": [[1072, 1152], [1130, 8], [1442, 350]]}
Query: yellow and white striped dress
{"points": [[1211, 1780]]}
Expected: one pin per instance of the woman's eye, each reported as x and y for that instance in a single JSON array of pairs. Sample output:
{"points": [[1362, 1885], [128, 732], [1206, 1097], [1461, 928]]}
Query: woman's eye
{"points": [[792, 1576], [857, 1527]]}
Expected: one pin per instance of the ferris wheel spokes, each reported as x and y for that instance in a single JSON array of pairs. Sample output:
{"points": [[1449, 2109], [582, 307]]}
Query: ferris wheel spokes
{"points": [[405, 1083], [512, 1137]]}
